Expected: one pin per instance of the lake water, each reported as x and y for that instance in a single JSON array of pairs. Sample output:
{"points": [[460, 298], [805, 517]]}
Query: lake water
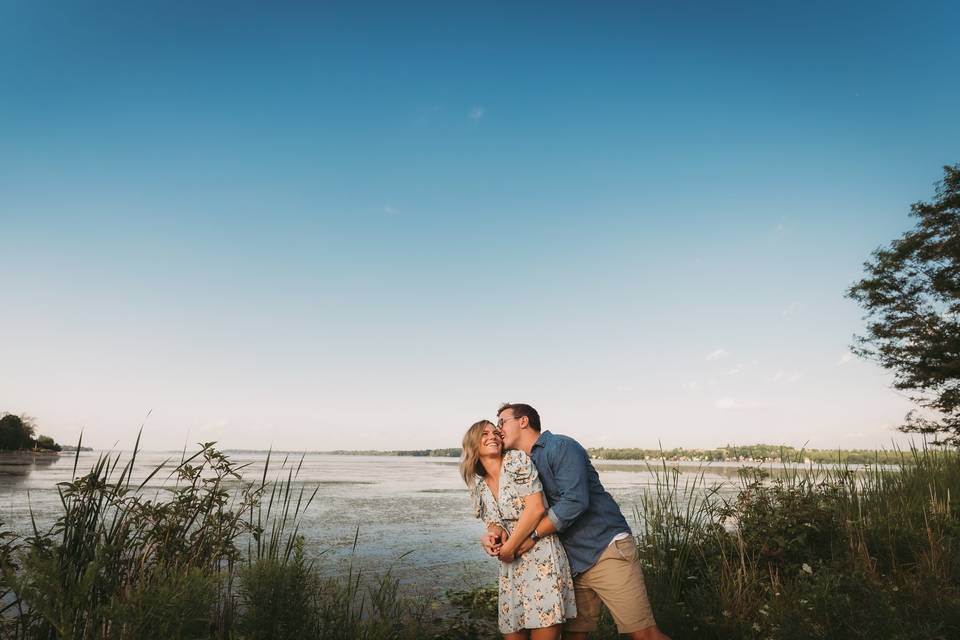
{"points": [[413, 513]]}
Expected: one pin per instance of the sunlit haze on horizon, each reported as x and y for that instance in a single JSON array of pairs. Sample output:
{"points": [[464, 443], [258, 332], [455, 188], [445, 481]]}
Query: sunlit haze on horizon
{"points": [[365, 226]]}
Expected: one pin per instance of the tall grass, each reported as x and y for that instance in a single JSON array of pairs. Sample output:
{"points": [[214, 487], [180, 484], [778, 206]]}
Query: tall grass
{"points": [[120, 562], [813, 553]]}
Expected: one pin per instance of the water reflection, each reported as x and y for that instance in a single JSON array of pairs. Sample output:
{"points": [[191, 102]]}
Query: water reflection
{"points": [[16, 467]]}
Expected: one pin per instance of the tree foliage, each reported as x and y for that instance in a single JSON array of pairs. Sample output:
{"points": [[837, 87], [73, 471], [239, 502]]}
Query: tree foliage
{"points": [[911, 295], [19, 432], [47, 444], [16, 432]]}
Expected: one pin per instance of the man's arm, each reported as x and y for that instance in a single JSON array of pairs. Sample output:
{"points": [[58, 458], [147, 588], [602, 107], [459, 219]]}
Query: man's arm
{"points": [[568, 462], [544, 528], [533, 510]]}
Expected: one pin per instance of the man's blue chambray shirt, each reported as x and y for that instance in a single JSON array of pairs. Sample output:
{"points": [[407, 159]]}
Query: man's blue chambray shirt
{"points": [[586, 516]]}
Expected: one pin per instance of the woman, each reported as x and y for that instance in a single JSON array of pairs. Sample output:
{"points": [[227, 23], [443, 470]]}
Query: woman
{"points": [[535, 589]]}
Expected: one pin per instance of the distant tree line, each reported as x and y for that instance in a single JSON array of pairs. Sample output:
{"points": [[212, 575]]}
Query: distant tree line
{"points": [[756, 452], [729, 453], [17, 432], [421, 453]]}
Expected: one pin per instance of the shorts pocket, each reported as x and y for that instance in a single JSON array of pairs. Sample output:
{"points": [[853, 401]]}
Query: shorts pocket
{"points": [[626, 548]]}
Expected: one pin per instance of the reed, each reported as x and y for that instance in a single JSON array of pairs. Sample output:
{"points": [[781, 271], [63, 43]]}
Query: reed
{"points": [[815, 552], [125, 562]]}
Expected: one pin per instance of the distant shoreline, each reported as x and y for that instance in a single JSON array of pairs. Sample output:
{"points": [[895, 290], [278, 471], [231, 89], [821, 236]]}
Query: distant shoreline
{"points": [[28, 452], [757, 453], [752, 454]]}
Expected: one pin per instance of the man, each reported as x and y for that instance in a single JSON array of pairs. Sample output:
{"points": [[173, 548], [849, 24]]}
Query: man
{"points": [[601, 550]]}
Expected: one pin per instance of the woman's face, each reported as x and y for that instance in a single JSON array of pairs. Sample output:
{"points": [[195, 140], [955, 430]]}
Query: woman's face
{"points": [[490, 442]]}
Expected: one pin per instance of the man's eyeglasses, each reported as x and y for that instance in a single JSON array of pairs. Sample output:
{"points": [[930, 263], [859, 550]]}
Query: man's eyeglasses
{"points": [[503, 421]]}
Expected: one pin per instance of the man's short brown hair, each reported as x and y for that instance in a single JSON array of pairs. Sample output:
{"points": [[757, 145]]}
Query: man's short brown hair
{"points": [[523, 411]]}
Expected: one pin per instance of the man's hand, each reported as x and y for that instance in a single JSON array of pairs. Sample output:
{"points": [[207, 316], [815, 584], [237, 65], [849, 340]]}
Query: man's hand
{"points": [[525, 546], [509, 554], [492, 541]]}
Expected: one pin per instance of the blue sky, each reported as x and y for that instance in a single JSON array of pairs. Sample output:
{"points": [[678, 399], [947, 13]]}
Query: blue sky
{"points": [[365, 225]]}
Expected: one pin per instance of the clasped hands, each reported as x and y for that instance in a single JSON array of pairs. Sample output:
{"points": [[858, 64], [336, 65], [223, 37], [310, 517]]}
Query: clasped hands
{"points": [[497, 542]]}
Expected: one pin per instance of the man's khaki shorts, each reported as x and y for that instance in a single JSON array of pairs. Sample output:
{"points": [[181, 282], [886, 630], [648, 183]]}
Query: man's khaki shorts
{"points": [[616, 580]]}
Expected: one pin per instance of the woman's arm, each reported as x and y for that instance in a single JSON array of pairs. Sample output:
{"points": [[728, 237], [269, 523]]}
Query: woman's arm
{"points": [[534, 509]]}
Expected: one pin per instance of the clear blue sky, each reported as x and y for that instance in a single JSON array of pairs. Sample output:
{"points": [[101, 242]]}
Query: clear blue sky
{"points": [[365, 225]]}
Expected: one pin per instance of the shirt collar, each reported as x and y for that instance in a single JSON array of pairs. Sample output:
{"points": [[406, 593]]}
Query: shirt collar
{"points": [[542, 440]]}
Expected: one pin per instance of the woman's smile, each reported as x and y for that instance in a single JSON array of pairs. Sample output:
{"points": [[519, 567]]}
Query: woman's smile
{"points": [[491, 441]]}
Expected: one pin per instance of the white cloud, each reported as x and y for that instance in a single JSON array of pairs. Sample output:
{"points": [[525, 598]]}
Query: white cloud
{"points": [[718, 354], [791, 308], [846, 358], [426, 114], [477, 113], [732, 404], [693, 385], [390, 209], [218, 427], [787, 376], [740, 368]]}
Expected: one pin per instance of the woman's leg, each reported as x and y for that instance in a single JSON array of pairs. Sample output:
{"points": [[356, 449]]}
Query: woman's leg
{"points": [[547, 633], [523, 634]]}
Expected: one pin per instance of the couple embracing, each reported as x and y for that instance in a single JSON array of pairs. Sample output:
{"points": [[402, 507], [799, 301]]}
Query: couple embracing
{"points": [[563, 544]]}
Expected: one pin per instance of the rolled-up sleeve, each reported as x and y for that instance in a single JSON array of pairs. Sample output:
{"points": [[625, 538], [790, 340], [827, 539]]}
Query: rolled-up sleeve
{"points": [[569, 465]]}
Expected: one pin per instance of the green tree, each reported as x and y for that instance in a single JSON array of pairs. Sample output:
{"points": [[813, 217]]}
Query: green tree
{"points": [[16, 432], [47, 443], [911, 295]]}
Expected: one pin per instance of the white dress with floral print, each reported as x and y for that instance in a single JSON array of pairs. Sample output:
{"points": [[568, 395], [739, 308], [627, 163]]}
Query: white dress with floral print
{"points": [[536, 589]]}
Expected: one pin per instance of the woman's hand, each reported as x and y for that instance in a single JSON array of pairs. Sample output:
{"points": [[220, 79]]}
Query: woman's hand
{"points": [[492, 541]]}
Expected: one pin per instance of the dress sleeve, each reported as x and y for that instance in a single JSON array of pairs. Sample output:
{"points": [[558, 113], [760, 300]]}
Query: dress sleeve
{"points": [[522, 472]]}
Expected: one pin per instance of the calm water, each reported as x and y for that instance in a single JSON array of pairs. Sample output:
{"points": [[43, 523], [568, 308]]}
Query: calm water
{"points": [[413, 514]]}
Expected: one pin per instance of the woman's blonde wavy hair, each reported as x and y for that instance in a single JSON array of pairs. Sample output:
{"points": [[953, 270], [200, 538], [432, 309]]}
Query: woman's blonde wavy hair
{"points": [[470, 466]]}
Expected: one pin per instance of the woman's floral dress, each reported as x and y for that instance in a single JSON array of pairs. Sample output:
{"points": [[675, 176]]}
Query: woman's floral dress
{"points": [[536, 589]]}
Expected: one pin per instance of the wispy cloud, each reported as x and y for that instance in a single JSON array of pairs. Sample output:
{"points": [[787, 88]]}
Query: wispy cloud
{"points": [[737, 370], [732, 404], [787, 376], [718, 354], [845, 358], [693, 385], [791, 309], [390, 209], [427, 113], [214, 427], [477, 113]]}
